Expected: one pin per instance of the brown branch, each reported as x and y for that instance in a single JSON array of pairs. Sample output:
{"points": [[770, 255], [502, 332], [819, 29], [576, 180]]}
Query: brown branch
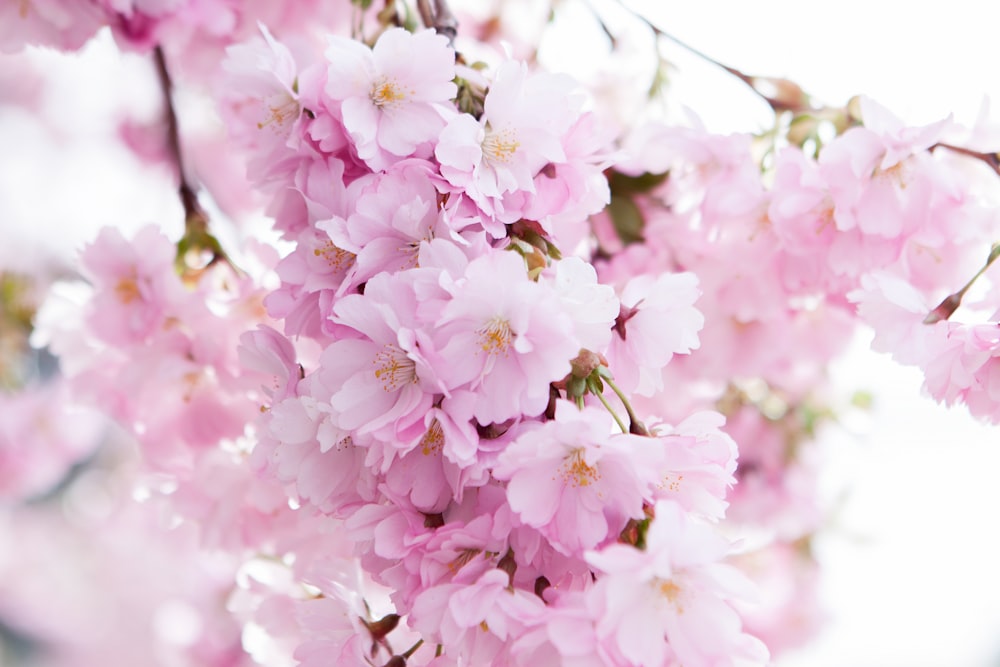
{"points": [[436, 14], [991, 159], [194, 217], [947, 308], [780, 94], [196, 235]]}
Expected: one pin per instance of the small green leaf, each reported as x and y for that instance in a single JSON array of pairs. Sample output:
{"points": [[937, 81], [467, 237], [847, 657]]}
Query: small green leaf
{"points": [[627, 219], [623, 184]]}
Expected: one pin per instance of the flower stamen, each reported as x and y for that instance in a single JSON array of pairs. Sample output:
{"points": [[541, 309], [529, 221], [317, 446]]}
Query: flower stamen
{"points": [[386, 93], [500, 146], [495, 337], [577, 472], [393, 368]]}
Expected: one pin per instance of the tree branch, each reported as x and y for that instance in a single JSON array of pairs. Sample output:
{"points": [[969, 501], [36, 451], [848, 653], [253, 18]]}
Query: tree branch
{"points": [[194, 217], [436, 14]]}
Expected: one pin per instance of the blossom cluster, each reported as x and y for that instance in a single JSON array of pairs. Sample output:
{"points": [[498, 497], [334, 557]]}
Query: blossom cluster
{"points": [[477, 399], [445, 417]]}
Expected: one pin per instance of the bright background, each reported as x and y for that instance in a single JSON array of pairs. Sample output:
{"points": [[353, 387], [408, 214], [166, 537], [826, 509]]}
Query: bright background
{"points": [[911, 559]]}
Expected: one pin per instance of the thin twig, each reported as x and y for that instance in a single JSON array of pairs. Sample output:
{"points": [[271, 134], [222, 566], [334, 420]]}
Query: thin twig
{"points": [[793, 99], [438, 16], [194, 216], [991, 159], [947, 308]]}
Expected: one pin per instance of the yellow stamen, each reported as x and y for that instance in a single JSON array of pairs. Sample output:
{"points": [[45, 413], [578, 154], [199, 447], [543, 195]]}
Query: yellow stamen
{"points": [[386, 93], [500, 146], [127, 290], [576, 472], [495, 336], [672, 482], [673, 593], [393, 368], [433, 440], [337, 258], [281, 110]]}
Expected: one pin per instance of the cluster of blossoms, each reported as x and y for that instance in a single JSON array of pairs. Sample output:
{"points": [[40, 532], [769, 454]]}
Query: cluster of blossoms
{"points": [[483, 406], [451, 414]]}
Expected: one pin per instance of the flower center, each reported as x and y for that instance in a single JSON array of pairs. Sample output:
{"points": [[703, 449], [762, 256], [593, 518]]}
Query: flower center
{"points": [[576, 472], [500, 146], [127, 290], [671, 591], [495, 337], [386, 93], [281, 110], [337, 258], [433, 440], [672, 482], [393, 368], [899, 174]]}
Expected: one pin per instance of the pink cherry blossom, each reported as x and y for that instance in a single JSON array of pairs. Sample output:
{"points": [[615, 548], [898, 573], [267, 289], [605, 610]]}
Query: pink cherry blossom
{"points": [[495, 160], [699, 462], [136, 284], [676, 589], [657, 321], [574, 481], [393, 97], [505, 337]]}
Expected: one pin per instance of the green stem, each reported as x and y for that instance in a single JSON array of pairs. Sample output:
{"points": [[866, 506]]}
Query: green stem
{"points": [[635, 423], [410, 651], [614, 414]]}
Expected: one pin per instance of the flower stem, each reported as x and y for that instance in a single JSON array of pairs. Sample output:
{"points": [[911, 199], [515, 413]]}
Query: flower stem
{"points": [[410, 651], [635, 426], [947, 308], [614, 414]]}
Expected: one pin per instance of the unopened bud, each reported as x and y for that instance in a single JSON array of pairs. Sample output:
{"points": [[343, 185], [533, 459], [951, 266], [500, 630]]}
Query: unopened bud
{"points": [[585, 363]]}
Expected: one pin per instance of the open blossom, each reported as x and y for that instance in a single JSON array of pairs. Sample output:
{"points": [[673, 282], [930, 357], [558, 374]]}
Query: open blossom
{"points": [[477, 621], [263, 87], [136, 285], [524, 118], [658, 320], [676, 589], [698, 464], [592, 306], [504, 336], [394, 96], [574, 481], [383, 380], [394, 214]]}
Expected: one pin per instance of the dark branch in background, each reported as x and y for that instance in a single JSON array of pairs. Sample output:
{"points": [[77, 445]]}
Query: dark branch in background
{"points": [[196, 235], [193, 215], [436, 14], [947, 308], [780, 94], [991, 159]]}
